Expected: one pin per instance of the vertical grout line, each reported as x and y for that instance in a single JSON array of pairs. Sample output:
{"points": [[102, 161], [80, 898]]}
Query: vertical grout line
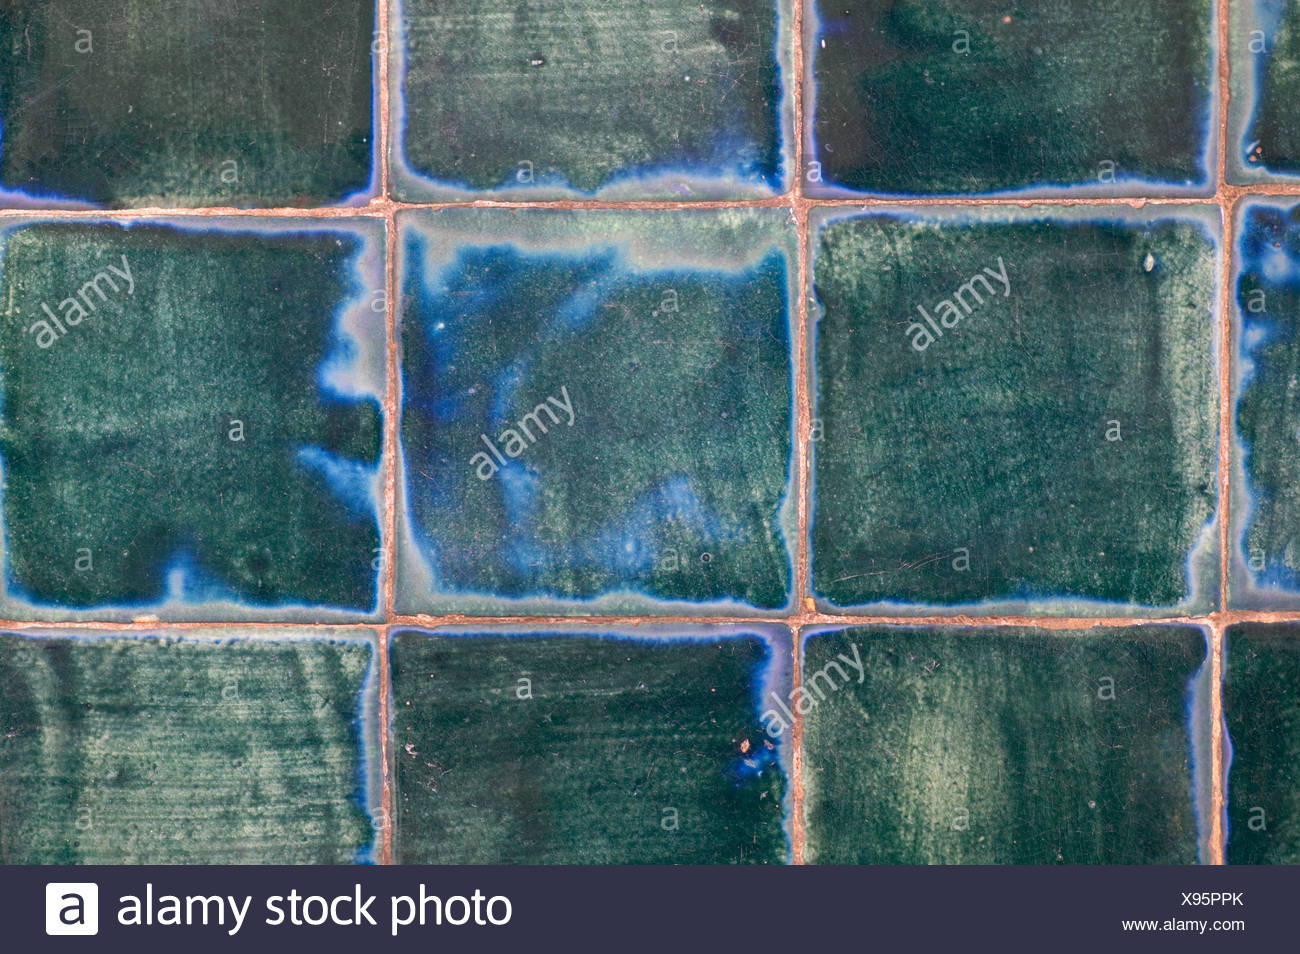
{"points": [[1224, 199], [386, 805], [389, 549], [803, 386], [798, 831], [385, 184], [797, 90], [1218, 837], [803, 432]]}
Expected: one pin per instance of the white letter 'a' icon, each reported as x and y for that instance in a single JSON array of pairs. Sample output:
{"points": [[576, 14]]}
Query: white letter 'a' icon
{"points": [[71, 907]]}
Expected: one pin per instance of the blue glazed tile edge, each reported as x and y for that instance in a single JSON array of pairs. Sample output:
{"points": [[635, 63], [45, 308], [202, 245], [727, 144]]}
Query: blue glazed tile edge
{"points": [[1203, 560], [356, 322]]}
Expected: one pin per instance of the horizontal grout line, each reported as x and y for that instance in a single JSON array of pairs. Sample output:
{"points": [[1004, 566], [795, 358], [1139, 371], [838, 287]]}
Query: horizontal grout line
{"points": [[963, 621], [380, 208]]}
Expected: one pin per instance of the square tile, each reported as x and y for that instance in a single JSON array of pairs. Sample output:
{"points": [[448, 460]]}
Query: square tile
{"points": [[1261, 701], [568, 98], [211, 748], [1006, 746], [1263, 127], [191, 418], [177, 103], [518, 747], [1017, 411], [1266, 502], [914, 97], [596, 411]]}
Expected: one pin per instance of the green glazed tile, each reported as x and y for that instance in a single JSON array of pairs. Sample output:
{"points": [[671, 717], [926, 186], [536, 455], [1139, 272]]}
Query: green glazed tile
{"points": [[1263, 125], [1261, 701], [596, 411], [1017, 411], [549, 748], [1266, 505], [191, 419], [178, 103], [164, 750], [964, 96], [657, 98], [1006, 746]]}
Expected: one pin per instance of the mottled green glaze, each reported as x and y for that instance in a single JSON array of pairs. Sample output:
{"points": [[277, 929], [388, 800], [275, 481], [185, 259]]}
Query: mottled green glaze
{"points": [[172, 102], [1004, 746], [570, 749], [117, 444], [150, 751], [1267, 568], [951, 96], [1275, 130], [1261, 702], [1058, 443], [662, 472], [579, 93]]}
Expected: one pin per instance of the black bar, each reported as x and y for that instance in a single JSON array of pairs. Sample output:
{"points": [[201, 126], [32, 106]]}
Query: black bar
{"points": [[665, 909]]}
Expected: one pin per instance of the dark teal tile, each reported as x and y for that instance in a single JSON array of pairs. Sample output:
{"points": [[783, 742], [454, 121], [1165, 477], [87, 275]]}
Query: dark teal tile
{"points": [[1017, 411], [1266, 502], [658, 99], [191, 419], [1263, 126], [204, 749], [962, 96], [1006, 746], [596, 411], [180, 103], [1261, 702], [520, 747]]}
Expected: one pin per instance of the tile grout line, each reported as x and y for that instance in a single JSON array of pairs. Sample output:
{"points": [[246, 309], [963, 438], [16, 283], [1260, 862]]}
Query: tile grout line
{"points": [[1224, 198], [798, 789], [381, 206], [388, 545], [804, 619], [803, 426], [1218, 775]]}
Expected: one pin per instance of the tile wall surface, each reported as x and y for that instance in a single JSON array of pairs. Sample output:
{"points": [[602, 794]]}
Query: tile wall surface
{"points": [[738, 432]]}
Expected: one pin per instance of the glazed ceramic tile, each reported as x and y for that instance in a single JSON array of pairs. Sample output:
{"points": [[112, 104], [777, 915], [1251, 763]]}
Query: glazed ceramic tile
{"points": [[176, 103], [518, 747], [660, 98], [191, 418], [1261, 699], [1266, 506], [210, 749], [596, 411], [957, 96], [1263, 126], [1006, 746], [1016, 411]]}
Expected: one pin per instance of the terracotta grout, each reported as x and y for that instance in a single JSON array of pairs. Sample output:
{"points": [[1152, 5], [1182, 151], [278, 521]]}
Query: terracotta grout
{"points": [[806, 619], [1218, 774], [381, 206], [803, 425], [1225, 198], [798, 788], [388, 545]]}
